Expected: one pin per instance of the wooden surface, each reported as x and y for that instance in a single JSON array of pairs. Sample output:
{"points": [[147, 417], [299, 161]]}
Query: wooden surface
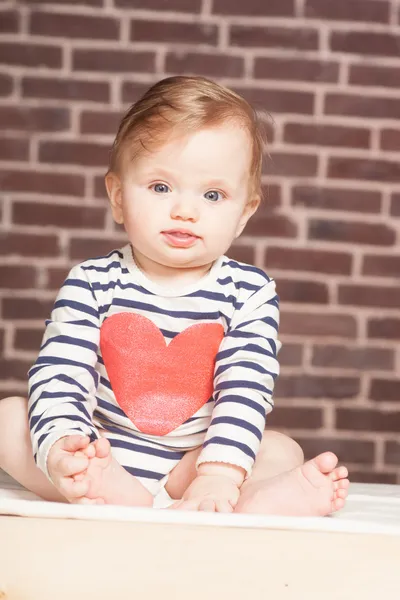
{"points": [[58, 559]]}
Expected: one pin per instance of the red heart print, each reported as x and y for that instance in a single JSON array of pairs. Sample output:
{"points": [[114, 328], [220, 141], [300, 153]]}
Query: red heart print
{"points": [[157, 386]]}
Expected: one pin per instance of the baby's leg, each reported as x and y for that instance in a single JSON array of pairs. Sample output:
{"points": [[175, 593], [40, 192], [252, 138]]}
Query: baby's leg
{"points": [[16, 456], [282, 485]]}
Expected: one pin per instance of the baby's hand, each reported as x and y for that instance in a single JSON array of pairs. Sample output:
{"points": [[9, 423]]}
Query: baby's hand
{"points": [[68, 457], [211, 493]]}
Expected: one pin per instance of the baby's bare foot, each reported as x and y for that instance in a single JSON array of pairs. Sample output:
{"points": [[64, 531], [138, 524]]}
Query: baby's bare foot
{"points": [[316, 488], [109, 482]]}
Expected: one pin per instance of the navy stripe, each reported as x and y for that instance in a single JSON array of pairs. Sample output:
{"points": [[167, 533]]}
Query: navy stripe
{"points": [[66, 339], [218, 297], [144, 473], [45, 361], [247, 365], [239, 284], [110, 407], [267, 320], [85, 308], [115, 443], [225, 442], [80, 283], [75, 396], [238, 384], [246, 348], [236, 399], [178, 314], [61, 377], [104, 287], [114, 265], [42, 422], [239, 423]]}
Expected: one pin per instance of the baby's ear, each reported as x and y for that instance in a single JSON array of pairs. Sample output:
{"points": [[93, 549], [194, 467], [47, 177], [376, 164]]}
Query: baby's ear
{"points": [[248, 211], [114, 191]]}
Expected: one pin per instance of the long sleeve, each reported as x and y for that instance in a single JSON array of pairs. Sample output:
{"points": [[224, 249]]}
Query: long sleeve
{"points": [[63, 380], [245, 372]]}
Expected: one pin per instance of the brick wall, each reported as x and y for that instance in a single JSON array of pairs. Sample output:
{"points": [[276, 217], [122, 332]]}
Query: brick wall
{"points": [[329, 231]]}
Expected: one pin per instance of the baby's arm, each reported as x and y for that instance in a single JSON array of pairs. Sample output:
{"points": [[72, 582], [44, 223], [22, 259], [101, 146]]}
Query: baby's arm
{"points": [[63, 380], [245, 372]]}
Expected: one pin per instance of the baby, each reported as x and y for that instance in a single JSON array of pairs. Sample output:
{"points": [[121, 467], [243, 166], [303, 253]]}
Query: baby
{"points": [[158, 363]]}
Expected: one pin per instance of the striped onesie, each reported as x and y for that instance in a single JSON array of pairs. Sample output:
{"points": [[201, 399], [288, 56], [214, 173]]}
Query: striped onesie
{"points": [[157, 372]]}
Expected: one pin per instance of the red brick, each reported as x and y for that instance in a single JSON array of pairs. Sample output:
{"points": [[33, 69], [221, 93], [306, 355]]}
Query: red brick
{"points": [[348, 450], [173, 5], [360, 201], [100, 122], [374, 11], [173, 32], [316, 386], [395, 205], [30, 55], [99, 187], [74, 153], [390, 140], [244, 254], [17, 277], [311, 324], [62, 215], [79, 2], [372, 477], [367, 420], [295, 418], [392, 453], [28, 339], [113, 61], [26, 308], [386, 328], [6, 85], [377, 234], [133, 90], [208, 65], [14, 368], [358, 168], [327, 135], [287, 164], [65, 89], [28, 244], [299, 38], [341, 357], [297, 70], [312, 292], [272, 8], [74, 26], [14, 149], [368, 295], [84, 248], [371, 75], [61, 184], [382, 266], [385, 390], [9, 21], [279, 101], [56, 277], [301, 259], [265, 224], [291, 355], [359, 105], [2, 340], [365, 42], [24, 118]]}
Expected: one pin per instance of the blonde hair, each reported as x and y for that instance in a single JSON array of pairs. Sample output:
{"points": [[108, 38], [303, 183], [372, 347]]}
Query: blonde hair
{"points": [[182, 105]]}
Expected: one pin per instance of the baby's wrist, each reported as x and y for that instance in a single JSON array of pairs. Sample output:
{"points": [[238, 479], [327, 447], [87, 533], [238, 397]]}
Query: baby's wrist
{"points": [[233, 472]]}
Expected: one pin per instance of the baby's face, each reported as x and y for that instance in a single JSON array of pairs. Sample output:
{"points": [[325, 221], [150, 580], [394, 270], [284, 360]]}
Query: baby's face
{"points": [[183, 204]]}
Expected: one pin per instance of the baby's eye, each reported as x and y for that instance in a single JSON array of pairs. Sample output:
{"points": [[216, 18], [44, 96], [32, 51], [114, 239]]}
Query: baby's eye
{"points": [[213, 195], [160, 188]]}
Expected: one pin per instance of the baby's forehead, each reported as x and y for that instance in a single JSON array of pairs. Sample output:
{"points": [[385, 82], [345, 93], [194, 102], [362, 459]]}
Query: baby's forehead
{"points": [[225, 148]]}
